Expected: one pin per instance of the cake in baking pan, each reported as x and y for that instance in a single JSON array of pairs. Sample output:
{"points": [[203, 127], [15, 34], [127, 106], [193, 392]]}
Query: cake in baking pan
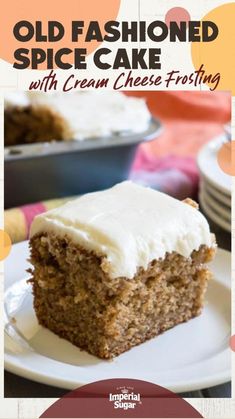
{"points": [[114, 268], [32, 117]]}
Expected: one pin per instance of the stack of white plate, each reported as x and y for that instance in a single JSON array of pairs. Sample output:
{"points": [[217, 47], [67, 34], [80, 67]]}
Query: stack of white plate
{"points": [[215, 185]]}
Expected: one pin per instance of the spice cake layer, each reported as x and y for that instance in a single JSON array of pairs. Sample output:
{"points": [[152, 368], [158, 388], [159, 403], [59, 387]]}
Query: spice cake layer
{"points": [[114, 268]]}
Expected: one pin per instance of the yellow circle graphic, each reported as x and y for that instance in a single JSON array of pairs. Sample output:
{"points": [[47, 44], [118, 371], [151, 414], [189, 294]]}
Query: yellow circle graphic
{"points": [[218, 56], [5, 244]]}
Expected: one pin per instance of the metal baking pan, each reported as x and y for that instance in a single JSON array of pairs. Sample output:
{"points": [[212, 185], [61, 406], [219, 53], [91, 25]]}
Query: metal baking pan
{"points": [[41, 171]]}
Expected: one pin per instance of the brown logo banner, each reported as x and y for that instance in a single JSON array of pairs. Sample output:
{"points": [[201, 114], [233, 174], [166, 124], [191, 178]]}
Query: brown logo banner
{"points": [[121, 397]]}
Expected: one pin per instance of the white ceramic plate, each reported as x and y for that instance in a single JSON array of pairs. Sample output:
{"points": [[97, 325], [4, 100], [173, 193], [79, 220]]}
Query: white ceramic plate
{"points": [[215, 193], [221, 210], [209, 168], [213, 214], [191, 356]]}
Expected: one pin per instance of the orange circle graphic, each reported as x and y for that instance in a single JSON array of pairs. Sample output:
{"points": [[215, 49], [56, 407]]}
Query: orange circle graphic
{"points": [[5, 244], [226, 158], [63, 12], [218, 56], [232, 343]]}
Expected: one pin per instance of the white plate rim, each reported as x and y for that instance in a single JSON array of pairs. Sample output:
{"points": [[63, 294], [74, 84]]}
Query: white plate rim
{"points": [[217, 194], [193, 385], [215, 143], [216, 219], [222, 211], [14, 365]]}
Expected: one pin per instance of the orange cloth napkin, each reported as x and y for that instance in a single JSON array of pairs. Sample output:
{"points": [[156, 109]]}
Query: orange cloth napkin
{"points": [[190, 120]]}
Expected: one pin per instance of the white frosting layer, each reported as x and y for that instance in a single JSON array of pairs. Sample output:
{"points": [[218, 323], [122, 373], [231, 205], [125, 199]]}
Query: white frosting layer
{"points": [[130, 224], [16, 98], [93, 114]]}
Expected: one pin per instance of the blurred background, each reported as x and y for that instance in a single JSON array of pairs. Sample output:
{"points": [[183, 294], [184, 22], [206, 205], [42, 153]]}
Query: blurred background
{"points": [[166, 140]]}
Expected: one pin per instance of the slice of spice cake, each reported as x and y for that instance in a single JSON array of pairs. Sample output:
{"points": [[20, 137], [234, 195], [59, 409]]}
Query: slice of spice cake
{"points": [[115, 268]]}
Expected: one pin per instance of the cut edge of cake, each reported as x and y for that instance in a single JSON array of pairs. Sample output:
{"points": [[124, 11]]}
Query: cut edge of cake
{"points": [[78, 300]]}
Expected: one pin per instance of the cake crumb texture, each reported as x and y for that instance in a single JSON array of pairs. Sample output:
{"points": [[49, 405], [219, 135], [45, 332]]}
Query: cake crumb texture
{"points": [[26, 125], [77, 300]]}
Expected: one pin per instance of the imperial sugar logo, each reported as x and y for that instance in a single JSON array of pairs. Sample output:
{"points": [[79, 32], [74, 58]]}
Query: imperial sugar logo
{"points": [[125, 398]]}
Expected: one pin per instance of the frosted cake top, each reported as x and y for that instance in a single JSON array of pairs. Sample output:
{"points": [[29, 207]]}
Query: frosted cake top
{"points": [[130, 225], [90, 114]]}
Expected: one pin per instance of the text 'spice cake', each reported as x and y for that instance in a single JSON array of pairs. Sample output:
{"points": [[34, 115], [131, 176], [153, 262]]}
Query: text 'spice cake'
{"points": [[115, 268]]}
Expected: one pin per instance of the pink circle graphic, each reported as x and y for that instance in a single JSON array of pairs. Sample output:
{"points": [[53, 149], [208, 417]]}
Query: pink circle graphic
{"points": [[177, 14], [232, 343]]}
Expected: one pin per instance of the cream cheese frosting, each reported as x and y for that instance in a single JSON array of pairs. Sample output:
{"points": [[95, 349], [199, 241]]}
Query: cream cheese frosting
{"points": [[91, 114], [130, 225]]}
